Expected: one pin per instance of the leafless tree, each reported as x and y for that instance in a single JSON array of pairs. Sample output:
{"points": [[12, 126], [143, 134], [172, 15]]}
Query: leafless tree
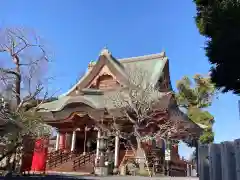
{"points": [[25, 60], [145, 108], [23, 82]]}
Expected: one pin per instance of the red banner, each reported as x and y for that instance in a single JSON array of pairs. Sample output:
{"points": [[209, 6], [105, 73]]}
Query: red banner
{"points": [[40, 155]]}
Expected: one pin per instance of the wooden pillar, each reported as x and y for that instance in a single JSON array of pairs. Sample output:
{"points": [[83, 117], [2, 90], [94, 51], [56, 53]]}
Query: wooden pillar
{"points": [[57, 141], [85, 140], [116, 154], [97, 150], [68, 141], [73, 141], [62, 140]]}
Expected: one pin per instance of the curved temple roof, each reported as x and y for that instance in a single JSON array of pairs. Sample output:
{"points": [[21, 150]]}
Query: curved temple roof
{"points": [[156, 65], [153, 65]]}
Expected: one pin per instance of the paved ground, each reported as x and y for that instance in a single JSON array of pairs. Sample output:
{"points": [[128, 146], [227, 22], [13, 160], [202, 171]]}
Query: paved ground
{"points": [[64, 177], [142, 178]]}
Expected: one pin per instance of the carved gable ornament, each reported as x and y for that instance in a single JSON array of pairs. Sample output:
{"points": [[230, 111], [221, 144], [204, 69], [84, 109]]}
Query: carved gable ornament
{"points": [[104, 80]]}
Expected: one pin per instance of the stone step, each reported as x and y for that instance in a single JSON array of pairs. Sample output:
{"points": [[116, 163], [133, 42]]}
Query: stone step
{"points": [[68, 166]]}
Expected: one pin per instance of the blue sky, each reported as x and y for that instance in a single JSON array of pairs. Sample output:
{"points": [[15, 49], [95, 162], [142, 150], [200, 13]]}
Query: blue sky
{"points": [[75, 31]]}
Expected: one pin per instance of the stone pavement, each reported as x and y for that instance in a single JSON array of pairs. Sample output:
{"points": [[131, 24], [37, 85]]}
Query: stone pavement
{"points": [[77, 177], [141, 178]]}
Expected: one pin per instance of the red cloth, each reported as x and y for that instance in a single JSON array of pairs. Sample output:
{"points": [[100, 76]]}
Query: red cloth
{"points": [[40, 155]]}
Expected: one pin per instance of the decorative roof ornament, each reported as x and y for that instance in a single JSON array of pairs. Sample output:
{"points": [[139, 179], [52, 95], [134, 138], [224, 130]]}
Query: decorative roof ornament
{"points": [[77, 91], [163, 53], [105, 52], [91, 64]]}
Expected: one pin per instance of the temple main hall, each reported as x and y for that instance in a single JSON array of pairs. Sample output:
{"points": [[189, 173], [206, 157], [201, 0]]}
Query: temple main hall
{"points": [[76, 116]]}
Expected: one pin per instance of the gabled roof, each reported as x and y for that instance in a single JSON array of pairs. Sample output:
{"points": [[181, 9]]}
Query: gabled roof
{"points": [[91, 99], [152, 64]]}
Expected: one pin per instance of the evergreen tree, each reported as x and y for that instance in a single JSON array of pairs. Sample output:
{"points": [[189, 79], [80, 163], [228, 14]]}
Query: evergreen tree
{"points": [[219, 22], [195, 98]]}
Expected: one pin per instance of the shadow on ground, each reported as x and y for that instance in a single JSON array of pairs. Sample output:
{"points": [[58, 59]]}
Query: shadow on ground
{"points": [[43, 177]]}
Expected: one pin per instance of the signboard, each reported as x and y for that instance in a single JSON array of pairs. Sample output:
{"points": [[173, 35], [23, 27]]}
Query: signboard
{"points": [[167, 155]]}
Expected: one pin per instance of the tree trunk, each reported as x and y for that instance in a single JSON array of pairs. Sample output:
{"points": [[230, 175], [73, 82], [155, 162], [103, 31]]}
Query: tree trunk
{"points": [[141, 155], [18, 85], [18, 159]]}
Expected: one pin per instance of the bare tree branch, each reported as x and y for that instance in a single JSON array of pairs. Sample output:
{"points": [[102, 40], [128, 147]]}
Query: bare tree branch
{"points": [[144, 108], [23, 87], [27, 55]]}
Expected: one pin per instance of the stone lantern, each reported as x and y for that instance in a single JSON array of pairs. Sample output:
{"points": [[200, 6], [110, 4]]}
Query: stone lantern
{"points": [[102, 143], [89, 144], [168, 153], [156, 165], [101, 168]]}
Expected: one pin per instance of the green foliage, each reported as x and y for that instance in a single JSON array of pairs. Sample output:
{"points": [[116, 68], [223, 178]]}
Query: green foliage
{"points": [[195, 98], [219, 21], [200, 96], [200, 116], [207, 136], [30, 125]]}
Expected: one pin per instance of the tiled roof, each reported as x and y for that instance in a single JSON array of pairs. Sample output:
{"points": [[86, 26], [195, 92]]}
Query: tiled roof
{"points": [[94, 101], [151, 64]]}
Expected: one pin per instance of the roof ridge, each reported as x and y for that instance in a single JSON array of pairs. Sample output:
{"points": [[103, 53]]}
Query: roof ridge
{"points": [[142, 58], [136, 58], [118, 63]]}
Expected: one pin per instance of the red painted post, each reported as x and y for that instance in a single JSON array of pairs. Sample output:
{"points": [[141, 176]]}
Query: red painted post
{"points": [[62, 141]]}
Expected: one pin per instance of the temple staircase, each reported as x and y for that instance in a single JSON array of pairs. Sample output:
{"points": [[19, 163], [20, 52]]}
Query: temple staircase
{"points": [[70, 162]]}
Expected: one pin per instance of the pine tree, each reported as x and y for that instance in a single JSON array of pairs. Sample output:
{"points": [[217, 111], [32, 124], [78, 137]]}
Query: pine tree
{"points": [[195, 97]]}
